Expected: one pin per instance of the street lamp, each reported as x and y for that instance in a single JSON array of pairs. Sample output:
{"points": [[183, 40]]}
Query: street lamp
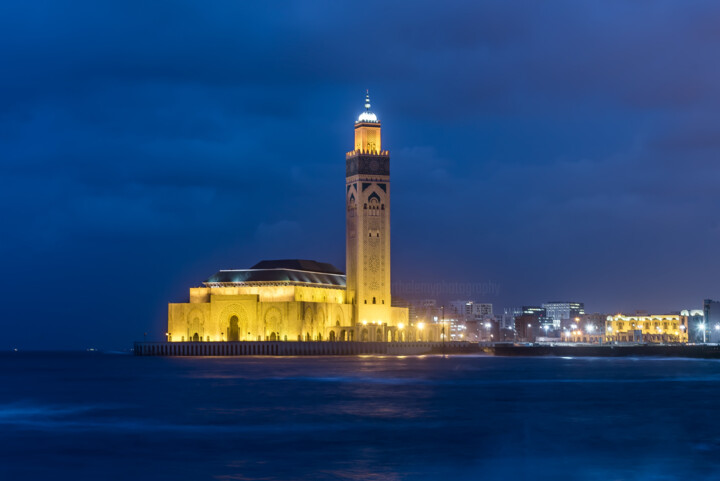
{"points": [[702, 326]]}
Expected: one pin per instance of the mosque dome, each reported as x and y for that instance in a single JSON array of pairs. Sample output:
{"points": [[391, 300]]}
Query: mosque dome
{"points": [[367, 116]]}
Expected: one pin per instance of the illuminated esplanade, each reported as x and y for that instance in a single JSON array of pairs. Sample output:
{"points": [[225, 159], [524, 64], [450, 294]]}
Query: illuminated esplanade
{"points": [[301, 300]]}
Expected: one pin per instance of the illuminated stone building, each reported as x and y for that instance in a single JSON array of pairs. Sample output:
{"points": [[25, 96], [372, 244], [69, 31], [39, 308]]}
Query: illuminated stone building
{"points": [[293, 300], [647, 328]]}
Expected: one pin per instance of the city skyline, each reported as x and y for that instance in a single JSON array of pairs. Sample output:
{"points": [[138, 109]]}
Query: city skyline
{"points": [[536, 152]]}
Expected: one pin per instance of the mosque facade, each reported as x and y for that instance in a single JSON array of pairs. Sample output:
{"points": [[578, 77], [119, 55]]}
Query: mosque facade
{"points": [[303, 300]]}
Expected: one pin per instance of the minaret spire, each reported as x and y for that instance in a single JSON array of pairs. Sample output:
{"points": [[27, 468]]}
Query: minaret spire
{"points": [[367, 115]]}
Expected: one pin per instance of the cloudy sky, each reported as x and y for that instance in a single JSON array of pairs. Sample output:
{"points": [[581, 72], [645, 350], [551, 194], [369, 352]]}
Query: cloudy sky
{"points": [[565, 150]]}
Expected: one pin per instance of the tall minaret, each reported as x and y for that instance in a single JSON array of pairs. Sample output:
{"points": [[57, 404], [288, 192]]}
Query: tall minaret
{"points": [[367, 197]]}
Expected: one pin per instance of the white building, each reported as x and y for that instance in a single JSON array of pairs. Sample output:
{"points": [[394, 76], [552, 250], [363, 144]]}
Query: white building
{"points": [[562, 312], [471, 310]]}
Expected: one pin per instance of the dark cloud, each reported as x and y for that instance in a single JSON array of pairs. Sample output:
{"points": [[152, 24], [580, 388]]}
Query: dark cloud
{"points": [[564, 150]]}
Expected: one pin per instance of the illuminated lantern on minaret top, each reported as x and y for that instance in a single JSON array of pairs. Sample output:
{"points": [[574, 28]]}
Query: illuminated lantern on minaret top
{"points": [[367, 198]]}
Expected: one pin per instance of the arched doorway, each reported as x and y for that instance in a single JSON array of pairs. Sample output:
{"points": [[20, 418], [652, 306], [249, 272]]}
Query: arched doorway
{"points": [[332, 336], [274, 322], [364, 335], [195, 325], [342, 335], [307, 336], [390, 336], [272, 336], [378, 334], [233, 329], [195, 337]]}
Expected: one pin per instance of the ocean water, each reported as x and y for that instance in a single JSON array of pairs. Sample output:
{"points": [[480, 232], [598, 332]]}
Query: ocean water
{"points": [[116, 417]]}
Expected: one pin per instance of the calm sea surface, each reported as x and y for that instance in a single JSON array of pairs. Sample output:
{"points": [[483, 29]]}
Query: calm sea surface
{"points": [[106, 417]]}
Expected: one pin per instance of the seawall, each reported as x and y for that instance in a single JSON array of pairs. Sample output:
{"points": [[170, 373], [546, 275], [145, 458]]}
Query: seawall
{"points": [[705, 351], [300, 348]]}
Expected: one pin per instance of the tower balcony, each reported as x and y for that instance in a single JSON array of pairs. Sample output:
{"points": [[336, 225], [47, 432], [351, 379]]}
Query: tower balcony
{"points": [[367, 152], [367, 163]]}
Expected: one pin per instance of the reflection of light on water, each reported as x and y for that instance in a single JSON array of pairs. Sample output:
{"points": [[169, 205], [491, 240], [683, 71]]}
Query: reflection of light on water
{"points": [[386, 409], [370, 418]]}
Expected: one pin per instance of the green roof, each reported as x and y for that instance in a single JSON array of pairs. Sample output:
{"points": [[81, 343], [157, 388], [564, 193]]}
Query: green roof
{"points": [[290, 271]]}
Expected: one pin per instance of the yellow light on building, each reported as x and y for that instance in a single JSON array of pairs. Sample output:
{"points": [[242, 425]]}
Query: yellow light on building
{"points": [[651, 328], [303, 300]]}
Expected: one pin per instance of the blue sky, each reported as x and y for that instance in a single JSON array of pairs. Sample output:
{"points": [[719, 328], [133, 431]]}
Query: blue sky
{"points": [[562, 151]]}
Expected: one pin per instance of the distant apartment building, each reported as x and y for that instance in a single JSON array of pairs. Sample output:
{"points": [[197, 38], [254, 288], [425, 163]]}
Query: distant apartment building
{"points": [[659, 328], [471, 310], [423, 310], [711, 318], [563, 313], [540, 314], [527, 327], [426, 303], [696, 323], [457, 330], [592, 323], [482, 310], [461, 308], [587, 328], [508, 318]]}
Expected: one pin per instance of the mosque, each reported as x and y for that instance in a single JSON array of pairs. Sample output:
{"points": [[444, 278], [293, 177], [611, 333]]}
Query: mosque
{"points": [[303, 300]]}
